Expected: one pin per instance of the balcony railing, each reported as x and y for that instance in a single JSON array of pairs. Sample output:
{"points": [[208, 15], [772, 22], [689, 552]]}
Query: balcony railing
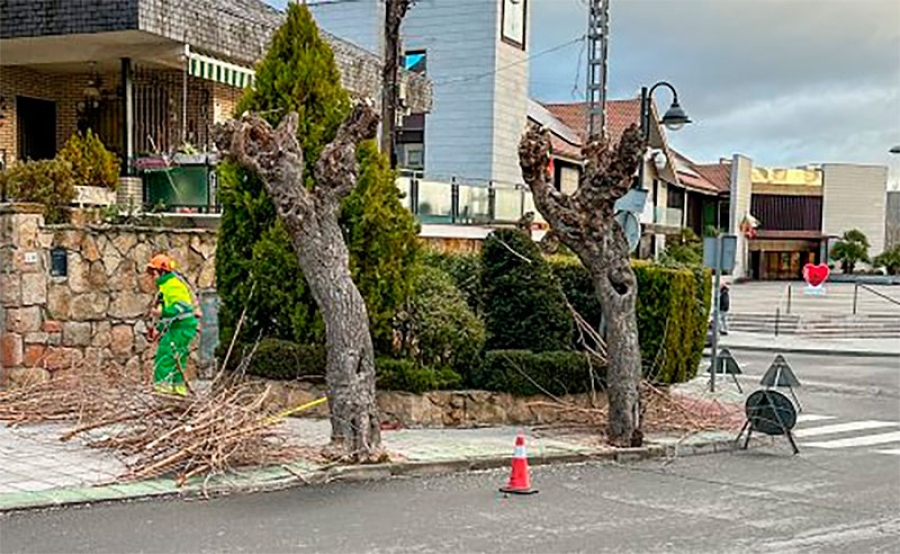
{"points": [[669, 217], [454, 203]]}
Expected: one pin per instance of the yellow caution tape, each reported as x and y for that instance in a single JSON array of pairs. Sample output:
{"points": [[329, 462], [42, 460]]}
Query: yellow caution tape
{"points": [[298, 409]]}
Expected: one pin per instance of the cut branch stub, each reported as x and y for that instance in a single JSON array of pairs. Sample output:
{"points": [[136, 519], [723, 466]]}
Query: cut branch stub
{"points": [[336, 170]]}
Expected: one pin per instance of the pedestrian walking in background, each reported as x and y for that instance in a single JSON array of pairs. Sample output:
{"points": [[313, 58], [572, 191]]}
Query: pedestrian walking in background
{"points": [[724, 306]]}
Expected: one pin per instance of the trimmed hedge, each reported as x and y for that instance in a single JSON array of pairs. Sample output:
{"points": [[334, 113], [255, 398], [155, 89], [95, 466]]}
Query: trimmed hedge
{"points": [[524, 306], [672, 312], [407, 376], [524, 373], [279, 359]]}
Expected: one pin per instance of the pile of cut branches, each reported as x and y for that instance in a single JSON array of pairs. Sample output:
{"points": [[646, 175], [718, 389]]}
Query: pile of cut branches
{"points": [[225, 426]]}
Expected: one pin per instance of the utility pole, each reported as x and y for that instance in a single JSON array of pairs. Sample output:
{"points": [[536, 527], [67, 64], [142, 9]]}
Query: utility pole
{"points": [[394, 12], [598, 47]]}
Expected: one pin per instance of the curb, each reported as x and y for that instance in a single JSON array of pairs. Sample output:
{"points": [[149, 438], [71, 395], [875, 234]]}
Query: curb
{"points": [[815, 351], [282, 477]]}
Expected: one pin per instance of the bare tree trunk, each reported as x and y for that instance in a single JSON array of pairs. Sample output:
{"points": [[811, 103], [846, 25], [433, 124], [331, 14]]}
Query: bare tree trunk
{"points": [[311, 218], [585, 223]]}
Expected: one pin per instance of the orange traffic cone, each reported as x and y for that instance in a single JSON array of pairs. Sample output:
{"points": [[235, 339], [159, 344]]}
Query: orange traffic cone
{"points": [[519, 480]]}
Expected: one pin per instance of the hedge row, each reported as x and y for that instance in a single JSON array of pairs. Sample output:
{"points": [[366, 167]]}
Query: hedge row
{"points": [[522, 372], [672, 314]]}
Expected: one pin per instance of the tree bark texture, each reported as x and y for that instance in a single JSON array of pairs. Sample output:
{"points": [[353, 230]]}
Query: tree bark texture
{"points": [[585, 222], [311, 218]]}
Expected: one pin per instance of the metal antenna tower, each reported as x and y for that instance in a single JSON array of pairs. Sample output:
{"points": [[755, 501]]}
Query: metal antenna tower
{"points": [[598, 46]]}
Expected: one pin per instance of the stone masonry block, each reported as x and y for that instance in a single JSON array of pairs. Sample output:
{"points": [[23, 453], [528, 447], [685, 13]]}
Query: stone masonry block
{"points": [[11, 350], [76, 333], [23, 320], [34, 289]]}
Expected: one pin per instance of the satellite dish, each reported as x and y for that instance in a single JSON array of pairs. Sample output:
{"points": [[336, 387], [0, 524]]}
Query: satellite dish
{"points": [[632, 227]]}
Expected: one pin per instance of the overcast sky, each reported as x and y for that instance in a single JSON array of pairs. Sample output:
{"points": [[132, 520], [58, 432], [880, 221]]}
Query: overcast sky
{"points": [[786, 82]]}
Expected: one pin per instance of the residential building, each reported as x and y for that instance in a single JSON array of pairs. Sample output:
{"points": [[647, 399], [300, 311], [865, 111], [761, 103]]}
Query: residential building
{"points": [[677, 195], [475, 53], [147, 76]]}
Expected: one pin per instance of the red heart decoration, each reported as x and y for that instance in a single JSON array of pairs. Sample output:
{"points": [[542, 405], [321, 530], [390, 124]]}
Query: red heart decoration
{"points": [[815, 275]]}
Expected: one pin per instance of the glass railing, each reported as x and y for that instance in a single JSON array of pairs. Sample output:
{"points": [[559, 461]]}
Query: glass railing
{"points": [[443, 202], [670, 217]]}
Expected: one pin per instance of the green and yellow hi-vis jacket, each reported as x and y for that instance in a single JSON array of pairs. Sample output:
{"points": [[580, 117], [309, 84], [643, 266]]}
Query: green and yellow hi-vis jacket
{"points": [[177, 300]]}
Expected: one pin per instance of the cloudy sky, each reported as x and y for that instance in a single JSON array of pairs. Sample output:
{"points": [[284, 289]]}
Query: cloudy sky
{"points": [[786, 82]]}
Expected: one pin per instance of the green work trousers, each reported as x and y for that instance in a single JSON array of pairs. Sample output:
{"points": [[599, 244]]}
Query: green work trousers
{"points": [[172, 354]]}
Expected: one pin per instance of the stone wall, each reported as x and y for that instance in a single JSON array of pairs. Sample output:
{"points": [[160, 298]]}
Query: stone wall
{"points": [[97, 312], [463, 408]]}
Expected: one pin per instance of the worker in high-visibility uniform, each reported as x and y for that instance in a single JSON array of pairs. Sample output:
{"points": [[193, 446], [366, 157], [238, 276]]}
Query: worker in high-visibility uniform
{"points": [[176, 326]]}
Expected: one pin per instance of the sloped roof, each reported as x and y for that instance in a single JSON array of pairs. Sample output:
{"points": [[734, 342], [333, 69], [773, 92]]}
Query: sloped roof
{"points": [[620, 114], [719, 174], [691, 177]]}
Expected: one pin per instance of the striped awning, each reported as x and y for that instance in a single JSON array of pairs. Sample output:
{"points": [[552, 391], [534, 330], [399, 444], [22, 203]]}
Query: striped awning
{"points": [[225, 73]]}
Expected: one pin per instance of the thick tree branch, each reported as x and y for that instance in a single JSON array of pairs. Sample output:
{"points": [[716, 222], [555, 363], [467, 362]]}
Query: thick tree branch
{"points": [[337, 169], [608, 174], [273, 154], [534, 157]]}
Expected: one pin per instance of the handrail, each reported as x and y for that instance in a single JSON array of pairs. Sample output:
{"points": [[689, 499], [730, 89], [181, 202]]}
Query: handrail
{"points": [[883, 296]]}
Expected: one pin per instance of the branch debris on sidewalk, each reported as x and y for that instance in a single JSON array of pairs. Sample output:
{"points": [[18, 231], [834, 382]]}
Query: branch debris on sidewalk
{"points": [[225, 426]]}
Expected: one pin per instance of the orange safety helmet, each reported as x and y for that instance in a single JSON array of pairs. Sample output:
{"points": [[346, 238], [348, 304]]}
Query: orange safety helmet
{"points": [[161, 262]]}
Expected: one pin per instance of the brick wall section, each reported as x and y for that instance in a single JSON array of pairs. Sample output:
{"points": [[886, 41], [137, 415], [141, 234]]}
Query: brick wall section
{"points": [[34, 18], [95, 315]]}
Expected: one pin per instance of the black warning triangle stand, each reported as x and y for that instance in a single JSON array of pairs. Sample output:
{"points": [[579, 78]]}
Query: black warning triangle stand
{"points": [[780, 374], [727, 365]]}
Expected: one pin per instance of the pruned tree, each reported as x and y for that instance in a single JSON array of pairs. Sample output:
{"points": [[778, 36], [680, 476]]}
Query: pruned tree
{"points": [[584, 221], [310, 216]]}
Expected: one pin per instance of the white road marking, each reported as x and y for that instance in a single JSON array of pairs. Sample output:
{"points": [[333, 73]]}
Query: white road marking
{"points": [[803, 418], [866, 440], [894, 451], [844, 428]]}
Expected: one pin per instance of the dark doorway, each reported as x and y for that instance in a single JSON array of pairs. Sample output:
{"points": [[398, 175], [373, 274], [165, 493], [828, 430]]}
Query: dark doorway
{"points": [[37, 128]]}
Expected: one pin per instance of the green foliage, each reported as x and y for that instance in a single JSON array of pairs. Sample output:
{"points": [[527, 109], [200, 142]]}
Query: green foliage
{"points": [[672, 314], [851, 249], [382, 237], [47, 182], [92, 164], [524, 307], [464, 269], [285, 360], [299, 74], [436, 327], [406, 375], [523, 373], [685, 249], [889, 260]]}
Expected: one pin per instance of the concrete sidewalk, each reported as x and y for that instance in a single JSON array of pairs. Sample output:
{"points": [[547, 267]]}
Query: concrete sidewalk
{"points": [[37, 470], [801, 345]]}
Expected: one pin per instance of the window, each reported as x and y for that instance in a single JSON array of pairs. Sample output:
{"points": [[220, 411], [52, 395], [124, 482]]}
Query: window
{"points": [[415, 61], [514, 22]]}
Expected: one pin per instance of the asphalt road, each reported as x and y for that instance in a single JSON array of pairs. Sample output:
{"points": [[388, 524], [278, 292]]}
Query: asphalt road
{"points": [[826, 499]]}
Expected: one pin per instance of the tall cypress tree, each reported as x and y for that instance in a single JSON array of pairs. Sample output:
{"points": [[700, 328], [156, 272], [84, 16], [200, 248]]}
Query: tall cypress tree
{"points": [[299, 74]]}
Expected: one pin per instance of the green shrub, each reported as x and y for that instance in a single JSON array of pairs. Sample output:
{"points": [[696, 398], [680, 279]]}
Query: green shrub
{"points": [[889, 260], [524, 307], [299, 74], [407, 376], [47, 182], [436, 327], [92, 164], [524, 373], [281, 360], [464, 269], [672, 314], [684, 249]]}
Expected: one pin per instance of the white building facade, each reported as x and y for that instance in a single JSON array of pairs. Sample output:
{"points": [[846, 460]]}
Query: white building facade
{"points": [[475, 53]]}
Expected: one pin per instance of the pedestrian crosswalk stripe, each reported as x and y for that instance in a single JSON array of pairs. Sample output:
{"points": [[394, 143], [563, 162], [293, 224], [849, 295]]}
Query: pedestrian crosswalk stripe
{"points": [[803, 418], [866, 440], [843, 428], [894, 451]]}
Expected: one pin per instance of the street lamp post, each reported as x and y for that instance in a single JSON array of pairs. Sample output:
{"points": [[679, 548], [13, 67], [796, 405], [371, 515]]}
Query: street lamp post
{"points": [[674, 119]]}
